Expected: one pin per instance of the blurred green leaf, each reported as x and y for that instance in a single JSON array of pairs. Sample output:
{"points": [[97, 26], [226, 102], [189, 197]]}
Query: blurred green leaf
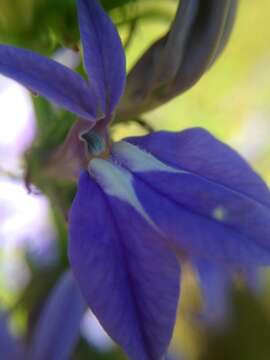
{"points": [[247, 337]]}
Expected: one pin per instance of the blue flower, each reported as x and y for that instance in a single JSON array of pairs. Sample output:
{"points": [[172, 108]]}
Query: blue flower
{"points": [[57, 329], [11, 346], [144, 204]]}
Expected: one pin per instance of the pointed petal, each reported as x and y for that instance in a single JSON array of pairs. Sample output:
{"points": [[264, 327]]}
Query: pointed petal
{"points": [[10, 346], [197, 151], [253, 279], [127, 274], [58, 328], [103, 53], [49, 79], [206, 198], [216, 283], [216, 287]]}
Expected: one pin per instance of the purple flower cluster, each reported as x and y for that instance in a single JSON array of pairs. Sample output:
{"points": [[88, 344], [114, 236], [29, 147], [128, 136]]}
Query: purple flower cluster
{"points": [[145, 204]]}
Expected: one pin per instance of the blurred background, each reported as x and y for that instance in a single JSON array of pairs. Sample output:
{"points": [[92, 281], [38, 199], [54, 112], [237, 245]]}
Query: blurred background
{"points": [[232, 101]]}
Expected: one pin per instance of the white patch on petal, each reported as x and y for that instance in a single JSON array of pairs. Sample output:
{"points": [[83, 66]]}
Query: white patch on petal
{"points": [[219, 213], [138, 160], [117, 182]]}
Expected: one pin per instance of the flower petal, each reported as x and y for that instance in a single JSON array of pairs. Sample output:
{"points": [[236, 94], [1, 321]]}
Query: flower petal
{"points": [[206, 199], [253, 279], [58, 328], [216, 286], [49, 79], [127, 274], [10, 346], [103, 53], [217, 283], [197, 151]]}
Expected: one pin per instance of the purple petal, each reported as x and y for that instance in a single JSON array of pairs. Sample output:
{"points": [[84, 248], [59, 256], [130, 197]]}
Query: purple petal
{"points": [[216, 283], [10, 346], [103, 53], [216, 287], [253, 279], [58, 328], [127, 274], [194, 202], [49, 79], [178, 356], [197, 151]]}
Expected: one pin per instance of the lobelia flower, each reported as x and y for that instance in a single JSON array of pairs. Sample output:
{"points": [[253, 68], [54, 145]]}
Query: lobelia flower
{"points": [[144, 204], [217, 282], [55, 319], [58, 327], [10, 345]]}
